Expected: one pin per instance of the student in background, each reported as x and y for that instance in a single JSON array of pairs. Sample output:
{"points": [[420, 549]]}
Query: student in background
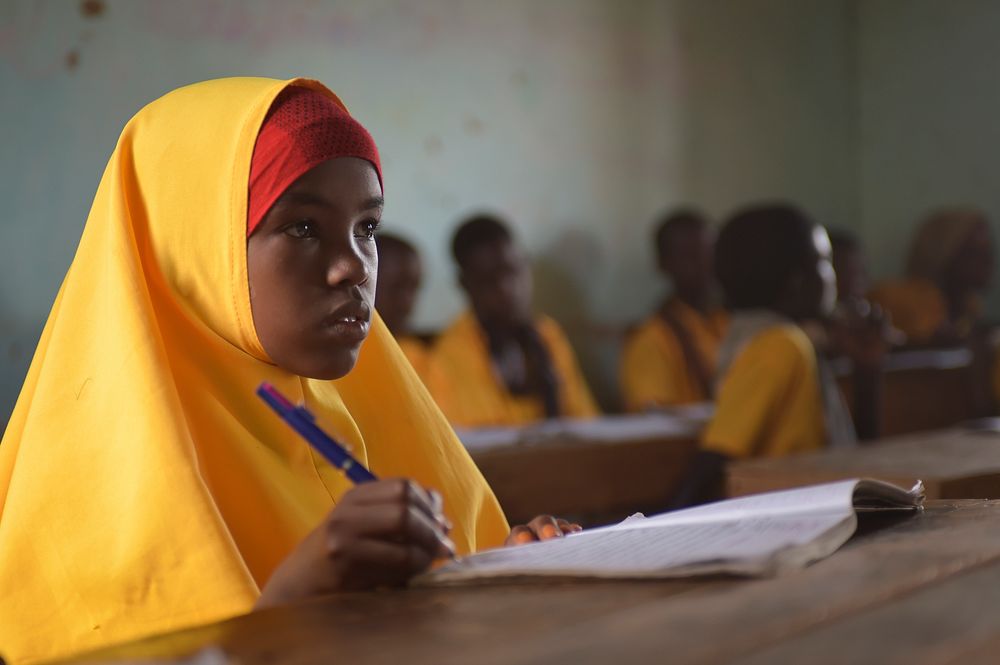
{"points": [[143, 485], [859, 331], [670, 359], [500, 363], [774, 396], [399, 277], [950, 265]]}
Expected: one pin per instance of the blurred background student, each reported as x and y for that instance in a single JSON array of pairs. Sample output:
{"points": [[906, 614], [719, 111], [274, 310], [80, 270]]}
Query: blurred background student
{"points": [[775, 396], [400, 275], [939, 300], [670, 359], [500, 363]]}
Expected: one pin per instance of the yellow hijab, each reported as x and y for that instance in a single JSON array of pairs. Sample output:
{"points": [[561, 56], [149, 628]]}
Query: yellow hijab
{"points": [[143, 485]]}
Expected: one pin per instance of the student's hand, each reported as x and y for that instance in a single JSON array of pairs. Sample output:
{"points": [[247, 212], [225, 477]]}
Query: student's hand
{"points": [[380, 534], [542, 527], [862, 332]]}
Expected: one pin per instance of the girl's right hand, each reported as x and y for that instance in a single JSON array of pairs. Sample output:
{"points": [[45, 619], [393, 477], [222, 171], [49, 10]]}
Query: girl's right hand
{"points": [[380, 534]]}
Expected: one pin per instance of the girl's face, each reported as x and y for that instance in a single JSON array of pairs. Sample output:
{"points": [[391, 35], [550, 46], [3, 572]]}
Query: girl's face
{"points": [[312, 268]]}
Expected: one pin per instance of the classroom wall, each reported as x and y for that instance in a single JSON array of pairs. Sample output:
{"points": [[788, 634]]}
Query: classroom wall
{"points": [[579, 119], [928, 103]]}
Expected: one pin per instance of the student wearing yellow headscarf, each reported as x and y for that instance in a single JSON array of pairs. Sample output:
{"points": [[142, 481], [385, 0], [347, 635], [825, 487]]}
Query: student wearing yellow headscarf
{"points": [[143, 485], [949, 266]]}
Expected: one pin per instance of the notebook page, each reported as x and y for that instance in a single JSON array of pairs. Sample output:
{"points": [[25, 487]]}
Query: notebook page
{"points": [[747, 546], [834, 497]]}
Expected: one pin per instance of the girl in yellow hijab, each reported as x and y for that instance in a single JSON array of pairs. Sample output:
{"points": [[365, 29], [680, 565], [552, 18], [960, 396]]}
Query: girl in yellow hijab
{"points": [[949, 266], [143, 485]]}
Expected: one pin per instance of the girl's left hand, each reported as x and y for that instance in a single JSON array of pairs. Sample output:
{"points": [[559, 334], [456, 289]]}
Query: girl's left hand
{"points": [[543, 527]]}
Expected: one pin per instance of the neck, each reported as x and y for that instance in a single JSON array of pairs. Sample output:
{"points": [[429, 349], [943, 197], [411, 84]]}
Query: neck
{"points": [[697, 300]]}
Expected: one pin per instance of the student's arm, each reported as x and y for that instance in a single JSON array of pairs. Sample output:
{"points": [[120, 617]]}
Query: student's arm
{"points": [[380, 534], [704, 482]]}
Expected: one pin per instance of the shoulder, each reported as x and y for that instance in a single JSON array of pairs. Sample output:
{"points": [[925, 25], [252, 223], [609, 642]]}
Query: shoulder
{"points": [[782, 346], [458, 337]]}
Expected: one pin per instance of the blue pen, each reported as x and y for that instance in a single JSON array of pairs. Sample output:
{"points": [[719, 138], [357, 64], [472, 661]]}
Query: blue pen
{"points": [[303, 422]]}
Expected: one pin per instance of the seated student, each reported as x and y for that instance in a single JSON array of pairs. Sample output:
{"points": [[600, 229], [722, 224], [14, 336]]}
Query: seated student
{"points": [[499, 363], [670, 359], [949, 267], [857, 330], [774, 396], [399, 277], [143, 485]]}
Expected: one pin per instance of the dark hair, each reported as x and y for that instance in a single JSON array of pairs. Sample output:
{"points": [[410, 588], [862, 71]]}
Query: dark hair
{"points": [[758, 250], [842, 239], [476, 231], [681, 219], [385, 241]]}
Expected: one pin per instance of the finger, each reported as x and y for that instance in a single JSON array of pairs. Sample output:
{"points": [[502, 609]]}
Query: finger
{"points": [[399, 522], [545, 527], [368, 563], [437, 502], [399, 490], [568, 527], [520, 535]]}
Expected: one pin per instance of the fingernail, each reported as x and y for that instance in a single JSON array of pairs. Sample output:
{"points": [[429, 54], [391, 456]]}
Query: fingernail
{"points": [[448, 543], [523, 538], [549, 531]]}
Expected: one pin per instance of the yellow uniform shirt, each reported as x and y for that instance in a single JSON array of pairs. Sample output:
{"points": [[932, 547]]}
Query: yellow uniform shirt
{"points": [[769, 401], [654, 371], [915, 306], [417, 352], [465, 385]]}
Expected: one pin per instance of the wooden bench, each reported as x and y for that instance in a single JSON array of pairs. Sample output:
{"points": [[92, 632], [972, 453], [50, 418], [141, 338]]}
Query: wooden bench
{"points": [[921, 588]]}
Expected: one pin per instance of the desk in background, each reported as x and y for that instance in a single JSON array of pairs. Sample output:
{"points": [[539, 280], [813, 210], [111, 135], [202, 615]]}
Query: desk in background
{"points": [[953, 463], [595, 471], [923, 390], [920, 588]]}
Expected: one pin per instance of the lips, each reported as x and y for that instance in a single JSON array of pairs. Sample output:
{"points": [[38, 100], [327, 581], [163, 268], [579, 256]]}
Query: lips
{"points": [[349, 323]]}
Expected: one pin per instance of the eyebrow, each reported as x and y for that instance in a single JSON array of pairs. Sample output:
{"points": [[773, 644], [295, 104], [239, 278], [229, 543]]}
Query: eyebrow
{"points": [[305, 198]]}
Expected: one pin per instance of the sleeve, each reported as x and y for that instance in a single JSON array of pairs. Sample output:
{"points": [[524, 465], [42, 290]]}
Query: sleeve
{"points": [[577, 399], [647, 373], [753, 393]]}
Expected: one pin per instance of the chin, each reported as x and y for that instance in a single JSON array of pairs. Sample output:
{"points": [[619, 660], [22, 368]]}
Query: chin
{"points": [[334, 367]]}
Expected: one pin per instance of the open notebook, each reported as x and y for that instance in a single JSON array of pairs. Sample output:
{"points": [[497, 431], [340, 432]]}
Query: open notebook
{"points": [[755, 535]]}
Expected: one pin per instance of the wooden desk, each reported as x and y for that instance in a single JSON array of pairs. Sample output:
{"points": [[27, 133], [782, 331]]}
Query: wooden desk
{"points": [[921, 588], [953, 463], [595, 477], [922, 390]]}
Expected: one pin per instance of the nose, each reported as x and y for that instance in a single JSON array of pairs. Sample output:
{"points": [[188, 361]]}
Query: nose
{"points": [[347, 266]]}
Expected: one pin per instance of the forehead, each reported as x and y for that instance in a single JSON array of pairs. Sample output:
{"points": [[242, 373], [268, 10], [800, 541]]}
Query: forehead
{"points": [[497, 253], [337, 179]]}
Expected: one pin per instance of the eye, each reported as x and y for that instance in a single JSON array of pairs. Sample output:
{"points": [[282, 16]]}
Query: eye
{"points": [[367, 229], [302, 229]]}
